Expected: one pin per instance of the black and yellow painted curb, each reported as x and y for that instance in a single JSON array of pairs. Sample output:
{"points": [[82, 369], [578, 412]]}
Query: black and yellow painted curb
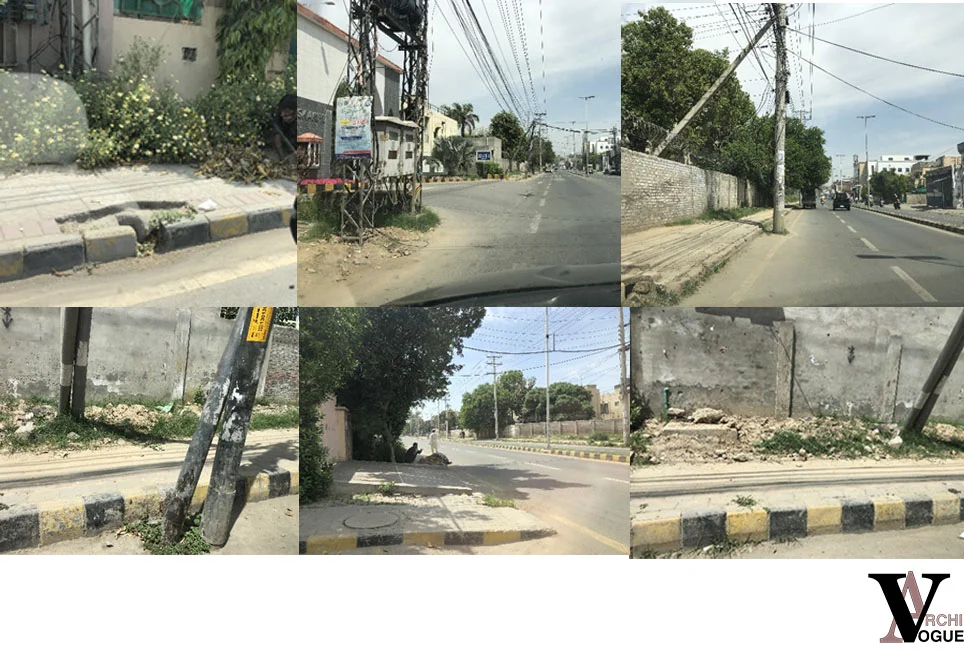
{"points": [[328, 543], [563, 452], [947, 227], [35, 525], [697, 529]]}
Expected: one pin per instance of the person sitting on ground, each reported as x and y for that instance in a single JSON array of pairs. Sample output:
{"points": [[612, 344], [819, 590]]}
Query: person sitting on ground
{"points": [[411, 454]]}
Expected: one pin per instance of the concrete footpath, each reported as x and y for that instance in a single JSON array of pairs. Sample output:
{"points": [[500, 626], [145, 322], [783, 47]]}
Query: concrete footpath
{"points": [[602, 453], [680, 508], [62, 495], [57, 218], [664, 259], [399, 504]]}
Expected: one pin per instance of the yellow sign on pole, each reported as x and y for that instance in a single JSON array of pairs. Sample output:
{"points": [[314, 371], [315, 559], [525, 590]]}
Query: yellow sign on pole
{"points": [[260, 320]]}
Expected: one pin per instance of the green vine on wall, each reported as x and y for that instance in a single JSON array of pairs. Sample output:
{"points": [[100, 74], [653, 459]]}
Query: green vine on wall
{"points": [[250, 32]]}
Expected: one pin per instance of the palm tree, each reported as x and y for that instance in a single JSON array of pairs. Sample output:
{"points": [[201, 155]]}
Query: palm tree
{"points": [[463, 115], [457, 154]]}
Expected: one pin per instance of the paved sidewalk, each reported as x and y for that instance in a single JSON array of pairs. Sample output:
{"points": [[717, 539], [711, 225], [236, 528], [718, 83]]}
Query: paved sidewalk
{"points": [[689, 507], [358, 477], [58, 495], [664, 259], [428, 521], [34, 201]]}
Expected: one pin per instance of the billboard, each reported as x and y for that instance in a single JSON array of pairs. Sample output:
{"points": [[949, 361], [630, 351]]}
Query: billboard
{"points": [[353, 129]]}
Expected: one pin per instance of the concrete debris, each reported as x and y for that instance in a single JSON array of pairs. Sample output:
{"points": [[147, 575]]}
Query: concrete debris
{"points": [[895, 441], [436, 459], [706, 416], [741, 457], [73, 435], [25, 429], [676, 412]]}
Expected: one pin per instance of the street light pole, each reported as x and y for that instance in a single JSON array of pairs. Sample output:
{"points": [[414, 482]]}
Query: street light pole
{"points": [[585, 141], [867, 156]]}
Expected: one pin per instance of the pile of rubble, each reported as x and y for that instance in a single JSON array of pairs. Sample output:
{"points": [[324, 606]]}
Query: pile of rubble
{"points": [[708, 434], [436, 459], [21, 420], [139, 417]]}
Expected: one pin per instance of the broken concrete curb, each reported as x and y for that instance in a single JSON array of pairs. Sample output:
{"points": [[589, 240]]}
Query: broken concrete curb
{"points": [[110, 243], [584, 454], [52, 252], [701, 528], [35, 525], [327, 543]]}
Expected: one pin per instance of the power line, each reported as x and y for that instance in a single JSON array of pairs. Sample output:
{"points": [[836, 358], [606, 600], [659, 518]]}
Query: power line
{"points": [[537, 352], [873, 9]]}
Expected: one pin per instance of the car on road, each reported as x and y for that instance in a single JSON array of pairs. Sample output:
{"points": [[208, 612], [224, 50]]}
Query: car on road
{"points": [[841, 201]]}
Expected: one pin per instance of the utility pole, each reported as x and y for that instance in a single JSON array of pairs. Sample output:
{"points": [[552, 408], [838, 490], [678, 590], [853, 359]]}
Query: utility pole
{"points": [[867, 157], [585, 138], [540, 136], [622, 378], [548, 431], [936, 380], [493, 360], [779, 162], [68, 349]]}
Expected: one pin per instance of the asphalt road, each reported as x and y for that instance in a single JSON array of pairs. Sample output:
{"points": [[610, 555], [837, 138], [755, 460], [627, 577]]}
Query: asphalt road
{"points": [[585, 501], [490, 226], [842, 258], [253, 270]]}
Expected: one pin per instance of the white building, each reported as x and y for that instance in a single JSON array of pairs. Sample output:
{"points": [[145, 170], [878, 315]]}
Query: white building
{"points": [[322, 66]]}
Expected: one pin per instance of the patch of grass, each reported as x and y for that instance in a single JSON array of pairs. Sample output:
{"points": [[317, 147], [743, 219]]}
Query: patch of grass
{"points": [[199, 396], [598, 437], [745, 501], [151, 532], [639, 450], [323, 223], [286, 420], [848, 443], [732, 214], [681, 223], [495, 502], [388, 489], [421, 222]]}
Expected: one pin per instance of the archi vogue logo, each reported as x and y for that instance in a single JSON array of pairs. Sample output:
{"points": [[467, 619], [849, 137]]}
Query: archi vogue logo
{"points": [[917, 623]]}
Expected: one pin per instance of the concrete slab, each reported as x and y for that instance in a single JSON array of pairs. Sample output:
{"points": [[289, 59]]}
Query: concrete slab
{"points": [[356, 477], [718, 432]]}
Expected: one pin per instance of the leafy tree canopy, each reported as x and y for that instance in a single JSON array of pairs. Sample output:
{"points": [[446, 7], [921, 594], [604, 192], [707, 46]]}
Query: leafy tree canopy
{"points": [[566, 402]]}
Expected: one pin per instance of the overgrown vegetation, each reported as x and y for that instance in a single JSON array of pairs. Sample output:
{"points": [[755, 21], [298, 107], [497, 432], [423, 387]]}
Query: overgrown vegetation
{"points": [[423, 221], [598, 438], [850, 441], [151, 532], [495, 502], [744, 500], [639, 450]]}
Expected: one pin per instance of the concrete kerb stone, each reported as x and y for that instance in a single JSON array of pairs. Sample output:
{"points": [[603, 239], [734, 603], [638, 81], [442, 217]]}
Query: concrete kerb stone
{"points": [[139, 221], [227, 224], [584, 454], [23, 527], [328, 543], [52, 252], [11, 261], [110, 243], [221, 225], [697, 529], [183, 234]]}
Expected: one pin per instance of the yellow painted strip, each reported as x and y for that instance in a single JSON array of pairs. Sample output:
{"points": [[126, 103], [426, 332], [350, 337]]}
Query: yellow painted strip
{"points": [[141, 506], [888, 514], [326, 544], [434, 538], [616, 545], [947, 509], [59, 522], [227, 225], [500, 537], [824, 519], [200, 493], [312, 188], [257, 488], [11, 261], [295, 482], [662, 534], [747, 525], [260, 323]]}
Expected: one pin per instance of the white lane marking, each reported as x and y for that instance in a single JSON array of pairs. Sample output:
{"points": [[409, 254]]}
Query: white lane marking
{"points": [[618, 480], [551, 468], [851, 229], [914, 285], [869, 245], [534, 225]]}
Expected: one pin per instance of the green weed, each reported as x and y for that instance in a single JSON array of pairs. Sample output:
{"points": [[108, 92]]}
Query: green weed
{"points": [[495, 502], [151, 532]]}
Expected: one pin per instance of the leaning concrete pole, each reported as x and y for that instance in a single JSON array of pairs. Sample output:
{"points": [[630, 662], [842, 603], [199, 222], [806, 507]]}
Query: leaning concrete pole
{"points": [[711, 91], [216, 515], [78, 401], [936, 380], [197, 452], [68, 345], [780, 121], [624, 386]]}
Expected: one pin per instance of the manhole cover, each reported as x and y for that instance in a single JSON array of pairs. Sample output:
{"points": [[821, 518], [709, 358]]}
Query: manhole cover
{"points": [[371, 520]]}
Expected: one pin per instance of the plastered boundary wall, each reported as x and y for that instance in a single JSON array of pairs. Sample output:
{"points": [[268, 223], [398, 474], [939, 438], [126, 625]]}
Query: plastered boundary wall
{"points": [[139, 353], [563, 427], [848, 362], [657, 191]]}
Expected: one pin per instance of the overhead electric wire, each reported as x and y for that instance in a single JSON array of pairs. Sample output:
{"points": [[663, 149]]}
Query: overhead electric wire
{"points": [[852, 16], [537, 352]]}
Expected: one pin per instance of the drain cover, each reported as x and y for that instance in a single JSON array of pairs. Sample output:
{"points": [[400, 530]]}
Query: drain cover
{"points": [[371, 520]]}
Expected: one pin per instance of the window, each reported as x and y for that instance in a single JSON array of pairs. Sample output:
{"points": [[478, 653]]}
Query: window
{"points": [[188, 10]]}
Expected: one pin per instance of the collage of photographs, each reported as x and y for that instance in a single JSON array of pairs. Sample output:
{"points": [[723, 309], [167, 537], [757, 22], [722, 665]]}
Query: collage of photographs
{"points": [[510, 277]]}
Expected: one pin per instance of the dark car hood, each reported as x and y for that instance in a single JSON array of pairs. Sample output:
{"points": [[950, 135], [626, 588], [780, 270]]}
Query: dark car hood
{"points": [[584, 285]]}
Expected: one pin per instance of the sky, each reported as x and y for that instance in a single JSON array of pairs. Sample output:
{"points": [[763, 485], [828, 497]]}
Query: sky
{"points": [[582, 57], [927, 35], [523, 330]]}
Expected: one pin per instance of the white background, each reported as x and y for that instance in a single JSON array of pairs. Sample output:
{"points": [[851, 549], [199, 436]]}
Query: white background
{"points": [[474, 611]]}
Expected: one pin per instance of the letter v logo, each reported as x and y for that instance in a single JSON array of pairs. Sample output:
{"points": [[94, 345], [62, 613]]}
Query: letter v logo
{"points": [[903, 617]]}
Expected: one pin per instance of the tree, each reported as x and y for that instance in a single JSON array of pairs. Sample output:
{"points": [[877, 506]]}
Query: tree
{"points": [[463, 115], [250, 32], [406, 358], [513, 386], [888, 185], [506, 127], [329, 345], [663, 77], [457, 154], [544, 148], [478, 412], [566, 402]]}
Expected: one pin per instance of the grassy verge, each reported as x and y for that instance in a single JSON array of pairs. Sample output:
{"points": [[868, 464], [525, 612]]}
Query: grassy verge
{"points": [[151, 533], [421, 222], [719, 214], [664, 297], [850, 442]]}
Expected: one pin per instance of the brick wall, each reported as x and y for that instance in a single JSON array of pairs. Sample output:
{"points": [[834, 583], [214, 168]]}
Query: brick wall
{"points": [[658, 191]]}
